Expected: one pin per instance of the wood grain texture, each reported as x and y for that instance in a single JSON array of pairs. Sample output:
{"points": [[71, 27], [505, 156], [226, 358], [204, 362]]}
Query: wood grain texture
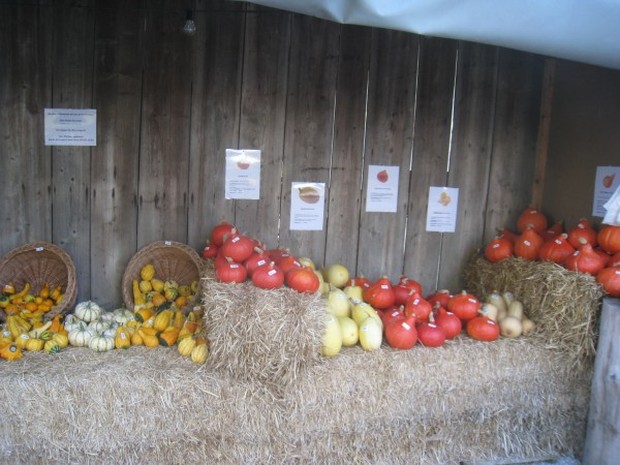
{"points": [[347, 164], [25, 90], [470, 158], [117, 97], [311, 89], [71, 174], [430, 156], [389, 141], [215, 106], [263, 105], [602, 443], [514, 139], [165, 126]]}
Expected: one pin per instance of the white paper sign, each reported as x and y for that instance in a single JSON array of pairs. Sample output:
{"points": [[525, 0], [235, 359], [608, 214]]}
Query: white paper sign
{"points": [[242, 174], [442, 209], [382, 192], [606, 182], [65, 126], [307, 206]]}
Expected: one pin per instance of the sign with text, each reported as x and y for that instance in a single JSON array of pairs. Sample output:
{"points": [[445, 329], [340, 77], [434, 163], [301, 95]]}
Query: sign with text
{"points": [[307, 206], [65, 126], [382, 193], [242, 180], [605, 184], [442, 209]]}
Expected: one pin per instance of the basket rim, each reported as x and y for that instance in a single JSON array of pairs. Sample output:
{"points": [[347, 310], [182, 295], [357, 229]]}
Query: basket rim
{"points": [[129, 273], [70, 292]]}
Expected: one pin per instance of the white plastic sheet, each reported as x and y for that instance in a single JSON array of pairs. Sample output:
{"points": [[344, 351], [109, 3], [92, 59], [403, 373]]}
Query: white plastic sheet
{"points": [[587, 31]]}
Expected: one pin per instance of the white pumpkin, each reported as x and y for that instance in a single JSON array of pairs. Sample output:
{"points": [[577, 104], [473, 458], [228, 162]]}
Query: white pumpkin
{"points": [[72, 322], [101, 343], [99, 326], [111, 331], [123, 315], [80, 336], [88, 311], [106, 316]]}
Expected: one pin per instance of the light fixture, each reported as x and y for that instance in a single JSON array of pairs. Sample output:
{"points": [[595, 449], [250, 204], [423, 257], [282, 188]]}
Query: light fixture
{"points": [[189, 27]]}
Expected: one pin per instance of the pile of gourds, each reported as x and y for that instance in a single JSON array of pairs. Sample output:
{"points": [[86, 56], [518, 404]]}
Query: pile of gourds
{"points": [[152, 292]]}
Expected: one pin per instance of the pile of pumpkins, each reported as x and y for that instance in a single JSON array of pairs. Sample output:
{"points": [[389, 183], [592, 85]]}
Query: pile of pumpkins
{"points": [[580, 248]]}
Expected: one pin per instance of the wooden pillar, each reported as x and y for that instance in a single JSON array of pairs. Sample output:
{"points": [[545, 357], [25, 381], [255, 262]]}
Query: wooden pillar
{"points": [[602, 444]]}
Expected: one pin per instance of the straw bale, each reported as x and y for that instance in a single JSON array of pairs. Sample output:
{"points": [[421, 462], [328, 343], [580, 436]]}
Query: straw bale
{"points": [[564, 304], [465, 401], [269, 336]]}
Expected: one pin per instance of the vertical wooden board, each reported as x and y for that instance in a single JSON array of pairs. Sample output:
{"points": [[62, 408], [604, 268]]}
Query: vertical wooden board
{"points": [[515, 133], [389, 140], [117, 94], [311, 91], [430, 156], [25, 90], [165, 126], [217, 72], [345, 188], [72, 88], [470, 157], [602, 442], [263, 102]]}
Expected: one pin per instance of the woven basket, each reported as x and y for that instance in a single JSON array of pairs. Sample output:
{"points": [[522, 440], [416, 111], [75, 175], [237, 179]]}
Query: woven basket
{"points": [[171, 260], [39, 263]]}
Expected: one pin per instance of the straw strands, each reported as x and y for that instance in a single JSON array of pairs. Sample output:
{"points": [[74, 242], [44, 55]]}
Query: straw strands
{"points": [[467, 400], [564, 304]]}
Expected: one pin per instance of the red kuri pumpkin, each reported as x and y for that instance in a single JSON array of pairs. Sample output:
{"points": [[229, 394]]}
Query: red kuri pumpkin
{"points": [[609, 238]]}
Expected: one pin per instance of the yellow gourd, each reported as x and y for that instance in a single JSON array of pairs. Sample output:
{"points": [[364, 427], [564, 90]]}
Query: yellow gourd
{"points": [[186, 345], [162, 320], [138, 297], [61, 339], [168, 337], [34, 344], [200, 353], [147, 272], [157, 285], [122, 339], [51, 347]]}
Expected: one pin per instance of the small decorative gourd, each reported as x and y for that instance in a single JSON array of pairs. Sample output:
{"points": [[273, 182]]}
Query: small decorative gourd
{"points": [[35, 344], [101, 343], [80, 336], [88, 311], [122, 340], [200, 353], [186, 345], [11, 352]]}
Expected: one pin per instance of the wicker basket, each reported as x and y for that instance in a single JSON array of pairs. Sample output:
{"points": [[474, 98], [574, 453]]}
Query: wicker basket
{"points": [[39, 263], [171, 260]]}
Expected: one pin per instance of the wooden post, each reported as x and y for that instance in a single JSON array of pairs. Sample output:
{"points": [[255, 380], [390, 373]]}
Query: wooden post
{"points": [[602, 444]]}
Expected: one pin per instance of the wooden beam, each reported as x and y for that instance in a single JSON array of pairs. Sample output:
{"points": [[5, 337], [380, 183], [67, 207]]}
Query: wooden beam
{"points": [[542, 142], [603, 434]]}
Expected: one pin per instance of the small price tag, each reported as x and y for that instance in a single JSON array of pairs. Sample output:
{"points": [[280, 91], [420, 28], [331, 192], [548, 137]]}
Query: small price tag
{"points": [[39, 249]]}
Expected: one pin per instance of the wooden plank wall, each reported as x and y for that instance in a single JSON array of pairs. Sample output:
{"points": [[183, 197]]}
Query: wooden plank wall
{"points": [[322, 101]]}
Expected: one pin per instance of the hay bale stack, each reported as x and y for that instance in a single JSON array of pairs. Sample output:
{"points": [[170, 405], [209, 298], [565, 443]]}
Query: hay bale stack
{"points": [[465, 401], [270, 337], [136, 406], [564, 304]]}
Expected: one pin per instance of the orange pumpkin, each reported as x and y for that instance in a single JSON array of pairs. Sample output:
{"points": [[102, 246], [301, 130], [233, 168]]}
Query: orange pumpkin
{"points": [[609, 238]]}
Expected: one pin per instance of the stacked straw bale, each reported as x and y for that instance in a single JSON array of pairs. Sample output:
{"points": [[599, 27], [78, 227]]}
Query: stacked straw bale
{"points": [[564, 304], [265, 396], [268, 336], [465, 401]]}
